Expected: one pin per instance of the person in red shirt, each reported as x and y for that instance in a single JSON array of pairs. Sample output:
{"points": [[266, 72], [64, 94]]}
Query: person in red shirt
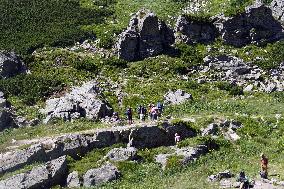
{"points": [[264, 166]]}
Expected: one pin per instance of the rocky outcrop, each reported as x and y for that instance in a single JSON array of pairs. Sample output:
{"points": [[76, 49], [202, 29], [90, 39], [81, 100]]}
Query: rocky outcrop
{"points": [[256, 25], [7, 120], [73, 180], [95, 177], [44, 176], [277, 7], [150, 137], [189, 30], [122, 154], [145, 36], [11, 65], [185, 155], [79, 144], [220, 175], [177, 97], [84, 101]]}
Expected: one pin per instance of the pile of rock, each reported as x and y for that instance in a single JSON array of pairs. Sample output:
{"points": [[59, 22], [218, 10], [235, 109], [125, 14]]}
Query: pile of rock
{"points": [[277, 7], [227, 128], [85, 101]]}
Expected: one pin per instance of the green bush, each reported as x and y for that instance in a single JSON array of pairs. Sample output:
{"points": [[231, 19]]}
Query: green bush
{"points": [[191, 55], [30, 87], [232, 89]]}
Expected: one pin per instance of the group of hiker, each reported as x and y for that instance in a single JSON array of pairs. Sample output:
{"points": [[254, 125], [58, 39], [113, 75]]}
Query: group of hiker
{"points": [[244, 180], [152, 111]]}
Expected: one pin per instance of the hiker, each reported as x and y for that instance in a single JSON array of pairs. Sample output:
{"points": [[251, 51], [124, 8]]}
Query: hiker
{"points": [[243, 179], [263, 166], [141, 112], [129, 115], [115, 117], [154, 113], [150, 106], [160, 107], [177, 138]]}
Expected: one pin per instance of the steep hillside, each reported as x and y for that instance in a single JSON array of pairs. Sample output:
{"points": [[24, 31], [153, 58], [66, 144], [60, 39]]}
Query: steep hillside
{"points": [[70, 70]]}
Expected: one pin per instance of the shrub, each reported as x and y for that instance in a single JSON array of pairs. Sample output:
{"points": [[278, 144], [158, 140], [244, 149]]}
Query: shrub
{"points": [[191, 55], [232, 89], [30, 87]]}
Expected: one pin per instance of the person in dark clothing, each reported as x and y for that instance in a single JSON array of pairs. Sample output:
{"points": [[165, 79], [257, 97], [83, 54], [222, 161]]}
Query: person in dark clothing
{"points": [[243, 179], [129, 115]]}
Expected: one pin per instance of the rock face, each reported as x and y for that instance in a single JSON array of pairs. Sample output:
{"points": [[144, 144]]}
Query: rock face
{"points": [[7, 120], [191, 31], [49, 174], [256, 25], [177, 97], [277, 7], [73, 180], [122, 154], [145, 36], [150, 137], [84, 101], [95, 177], [11, 65]]}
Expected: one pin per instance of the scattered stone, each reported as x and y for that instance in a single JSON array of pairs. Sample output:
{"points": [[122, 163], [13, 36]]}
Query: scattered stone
{"points": [[211, 129], [271, 87], [219, 176], [123, 154], [177, 97], [192, 31], [73, 180], [84, 101], [104, 174], [44, 176], [145, 36], [11, 65]]}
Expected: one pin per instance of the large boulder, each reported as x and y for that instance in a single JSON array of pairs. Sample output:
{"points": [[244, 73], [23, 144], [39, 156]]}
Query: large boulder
{"points": [[145, 36], [277, 7], [95, 177], [192, 31], [177, 97], [84, 101], [43, 176], [7, 120], [256, 25], [122, 154], [11, 65]]}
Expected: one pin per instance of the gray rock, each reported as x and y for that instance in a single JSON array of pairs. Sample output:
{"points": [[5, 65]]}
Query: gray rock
{"points": [[185, 155], [11, 65], [277, 7], [177, 97], [7, 120], [122, 154], [256, 25], [248, 88], [10, 161], [73, 180], [220, 176], [84, 101], [271, 87], [95, 177], [228, 63], [211, 129], [192, 31], [44, 176], [145, 36]]}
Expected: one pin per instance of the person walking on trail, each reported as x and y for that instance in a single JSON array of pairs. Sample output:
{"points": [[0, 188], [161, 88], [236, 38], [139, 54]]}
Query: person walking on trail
{"points": [[177, 138], [263, 166], [141, 112], [154, 114], [129, 115], [160, 107], [243, 179]]}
